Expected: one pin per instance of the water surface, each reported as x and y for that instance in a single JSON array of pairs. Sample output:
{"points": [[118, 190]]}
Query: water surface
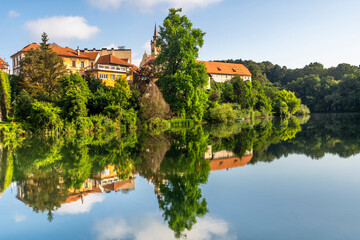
{"points": [[274, 179]]}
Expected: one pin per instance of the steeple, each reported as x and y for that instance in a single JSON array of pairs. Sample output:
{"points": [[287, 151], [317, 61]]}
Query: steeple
{"points": [[156, 36]]}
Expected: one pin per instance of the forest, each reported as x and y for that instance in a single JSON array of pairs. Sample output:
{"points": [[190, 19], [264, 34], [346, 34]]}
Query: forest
{"points": [[334, 89]]}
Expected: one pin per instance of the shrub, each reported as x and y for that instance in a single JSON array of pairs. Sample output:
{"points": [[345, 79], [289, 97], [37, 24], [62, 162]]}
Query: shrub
{"points": [[303, 110], [45, 116], [223, 113], [23, 106]]}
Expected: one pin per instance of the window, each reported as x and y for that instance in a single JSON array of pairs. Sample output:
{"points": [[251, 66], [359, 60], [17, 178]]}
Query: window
{"points": [[103, 76], [73, 63], [112, 76], [82, 64]]}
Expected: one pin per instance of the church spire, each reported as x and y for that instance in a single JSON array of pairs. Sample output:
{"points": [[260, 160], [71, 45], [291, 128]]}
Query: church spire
{"points": [[156, 36]]}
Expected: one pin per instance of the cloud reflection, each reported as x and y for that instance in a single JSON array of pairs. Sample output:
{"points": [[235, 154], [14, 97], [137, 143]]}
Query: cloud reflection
{"points": [[80, 206], [152, 228]]}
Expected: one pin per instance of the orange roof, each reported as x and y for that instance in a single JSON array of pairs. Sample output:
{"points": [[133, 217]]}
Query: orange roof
{"points": [[226, 68], [61, 51], [2, 66], [2, 62], [228, 163], [110, 59], [91, 55]]}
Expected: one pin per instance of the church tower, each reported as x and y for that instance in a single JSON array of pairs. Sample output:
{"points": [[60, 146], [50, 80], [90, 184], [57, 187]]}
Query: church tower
{"points": [[154, 50]]}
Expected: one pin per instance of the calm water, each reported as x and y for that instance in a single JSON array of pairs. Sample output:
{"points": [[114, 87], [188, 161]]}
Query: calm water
{"points": [[288, 179]]}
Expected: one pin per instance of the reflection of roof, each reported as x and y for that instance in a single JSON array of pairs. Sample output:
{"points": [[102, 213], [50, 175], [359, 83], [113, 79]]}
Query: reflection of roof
{"points": [[228, 163], [226, 68], [110, 59], [116, 186]]}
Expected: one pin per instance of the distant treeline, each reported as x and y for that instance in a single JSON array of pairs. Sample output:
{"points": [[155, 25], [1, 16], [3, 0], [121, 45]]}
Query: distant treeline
{"points": [[334, 89]]}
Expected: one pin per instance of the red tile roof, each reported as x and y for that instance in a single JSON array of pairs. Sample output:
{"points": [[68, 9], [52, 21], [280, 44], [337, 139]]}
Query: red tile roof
{"points": [[110, 59], [2, 62], [61, 51], [2, 67], [226, 68]]}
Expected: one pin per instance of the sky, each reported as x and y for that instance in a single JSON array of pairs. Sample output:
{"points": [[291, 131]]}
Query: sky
{"points": [[293, 33]]}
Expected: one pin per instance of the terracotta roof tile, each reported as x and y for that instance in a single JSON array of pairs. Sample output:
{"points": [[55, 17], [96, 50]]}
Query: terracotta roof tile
{"points": [[2, 66], [2, 62], [226, 68], [110, 59], [61, 51]]}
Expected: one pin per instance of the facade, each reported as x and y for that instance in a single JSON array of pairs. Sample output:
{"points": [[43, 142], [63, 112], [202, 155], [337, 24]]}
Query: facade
{"points": [[109, 68], [74, 60], [4, 66], [222, 72]]}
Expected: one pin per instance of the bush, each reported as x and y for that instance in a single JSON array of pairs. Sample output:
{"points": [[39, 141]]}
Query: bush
{"points": [[303, 110], [102, 123], [23, 106], [45, 116], [223, 113]]}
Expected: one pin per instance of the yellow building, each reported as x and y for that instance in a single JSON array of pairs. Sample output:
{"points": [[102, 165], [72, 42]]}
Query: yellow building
{"points": [[74, 60], [109, 68]]}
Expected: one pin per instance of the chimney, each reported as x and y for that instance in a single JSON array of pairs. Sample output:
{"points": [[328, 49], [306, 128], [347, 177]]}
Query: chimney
{"points": [[78, 51]]}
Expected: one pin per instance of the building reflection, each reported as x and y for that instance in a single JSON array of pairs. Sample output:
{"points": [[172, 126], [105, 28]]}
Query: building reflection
{"points": [[105, 181], [225, 160]]}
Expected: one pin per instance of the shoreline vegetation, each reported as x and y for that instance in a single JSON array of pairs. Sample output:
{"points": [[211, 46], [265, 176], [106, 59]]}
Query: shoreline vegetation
{"points": [[46, 98]]}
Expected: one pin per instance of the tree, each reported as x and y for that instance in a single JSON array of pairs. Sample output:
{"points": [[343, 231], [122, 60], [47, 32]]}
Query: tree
{"points": [[74, 95], [182, 80], [44, 42], [243, 93], [5, 95], [40, 70]]}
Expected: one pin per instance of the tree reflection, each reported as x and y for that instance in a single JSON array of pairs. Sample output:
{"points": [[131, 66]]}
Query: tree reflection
{"points": [[185, 169]]}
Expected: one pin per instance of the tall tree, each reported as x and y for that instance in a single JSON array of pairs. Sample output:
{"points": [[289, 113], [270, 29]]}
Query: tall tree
{"points": [[41, 69], [182, 79]]}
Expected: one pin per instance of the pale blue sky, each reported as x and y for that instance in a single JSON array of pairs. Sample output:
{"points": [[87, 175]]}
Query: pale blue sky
{"points": [[287, 32]]}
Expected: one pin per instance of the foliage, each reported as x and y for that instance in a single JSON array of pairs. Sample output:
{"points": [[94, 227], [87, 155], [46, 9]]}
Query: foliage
{"points": [[182, 80], [303, 110], [5, 95], [286, 103], [45, 116], [223, 113], [74, 95], [40, 71], [321, 89]]}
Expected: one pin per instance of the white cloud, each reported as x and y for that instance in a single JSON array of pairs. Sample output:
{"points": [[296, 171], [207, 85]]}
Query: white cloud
{"points": [[112, 45], [13, 13], [152, 228], [80, 206], [61, 28], [186, 4], [19, 218]]}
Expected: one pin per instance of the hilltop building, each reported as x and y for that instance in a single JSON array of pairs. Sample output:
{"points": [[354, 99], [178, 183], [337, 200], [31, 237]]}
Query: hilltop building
{"points": [[4, 66], [105, 64], [217, 71]]}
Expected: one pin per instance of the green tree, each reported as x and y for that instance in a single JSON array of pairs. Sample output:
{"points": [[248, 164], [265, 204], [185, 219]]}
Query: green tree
{"points": [[40, 71], [182, 80], [5, 95], [74, 95]]}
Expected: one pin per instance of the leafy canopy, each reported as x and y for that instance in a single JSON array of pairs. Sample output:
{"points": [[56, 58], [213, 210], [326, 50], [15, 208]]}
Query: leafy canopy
{"points": [[182, 80]]}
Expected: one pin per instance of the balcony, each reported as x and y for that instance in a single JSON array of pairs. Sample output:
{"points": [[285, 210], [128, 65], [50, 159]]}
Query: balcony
{"points": [[107, 68]]}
